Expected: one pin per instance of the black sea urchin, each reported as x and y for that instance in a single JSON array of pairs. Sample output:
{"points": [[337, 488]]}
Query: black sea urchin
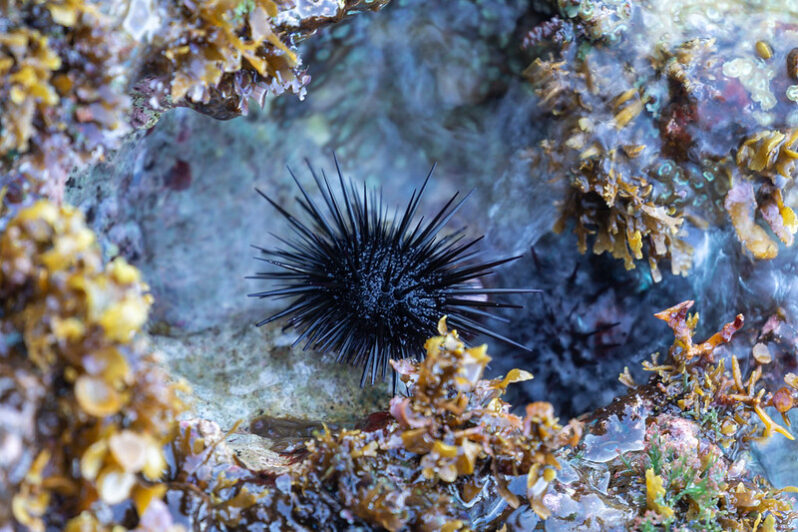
{"points": [[371, 285]]}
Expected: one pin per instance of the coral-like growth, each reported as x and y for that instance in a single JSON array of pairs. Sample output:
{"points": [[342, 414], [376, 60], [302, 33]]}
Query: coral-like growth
{"points": [[62, 98], [98, 408]]}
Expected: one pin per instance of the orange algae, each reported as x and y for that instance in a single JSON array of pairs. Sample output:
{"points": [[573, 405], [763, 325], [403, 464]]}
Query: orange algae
{"points": [[204, 44], [610, 200], [767, 162], [451, 426], [698, 380], [216, 55]]}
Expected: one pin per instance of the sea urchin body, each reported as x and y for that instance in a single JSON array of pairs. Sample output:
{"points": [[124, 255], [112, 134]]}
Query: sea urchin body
{"points": [[371, 285]]}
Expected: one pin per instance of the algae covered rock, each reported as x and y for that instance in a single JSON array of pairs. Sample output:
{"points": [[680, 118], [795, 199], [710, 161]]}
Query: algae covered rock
{"points": [[79, 76], [632, 107]]}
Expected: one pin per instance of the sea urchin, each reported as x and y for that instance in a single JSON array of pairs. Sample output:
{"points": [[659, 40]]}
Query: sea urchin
{"points": [[371, 285]]}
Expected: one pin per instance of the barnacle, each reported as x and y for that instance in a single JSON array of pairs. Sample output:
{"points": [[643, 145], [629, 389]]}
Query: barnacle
{"points": [[108, 405]]}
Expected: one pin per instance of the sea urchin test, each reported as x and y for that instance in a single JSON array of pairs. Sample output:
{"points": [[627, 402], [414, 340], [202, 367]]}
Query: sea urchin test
{"points": [[371, 284]]}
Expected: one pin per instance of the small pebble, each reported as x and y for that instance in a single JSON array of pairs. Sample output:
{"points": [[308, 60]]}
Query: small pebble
{"points": [[792, 64], [762, 354], [764, 50]]}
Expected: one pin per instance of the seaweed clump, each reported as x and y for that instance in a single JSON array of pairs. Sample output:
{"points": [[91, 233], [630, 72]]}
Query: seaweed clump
{"points": [[766, 161], [214, 55], [454, 429], [448, 444], [661, 142], [225, 50], [692, 466], [62, 98], [610, 199], [696, 379], [87, 409]]}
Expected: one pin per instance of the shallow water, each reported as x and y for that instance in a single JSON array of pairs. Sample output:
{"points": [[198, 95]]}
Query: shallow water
{"points": [[392, 93]]}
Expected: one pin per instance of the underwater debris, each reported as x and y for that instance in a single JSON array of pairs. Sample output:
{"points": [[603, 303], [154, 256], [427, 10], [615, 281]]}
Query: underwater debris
{"points": [[370, 285], [94, 407]]}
